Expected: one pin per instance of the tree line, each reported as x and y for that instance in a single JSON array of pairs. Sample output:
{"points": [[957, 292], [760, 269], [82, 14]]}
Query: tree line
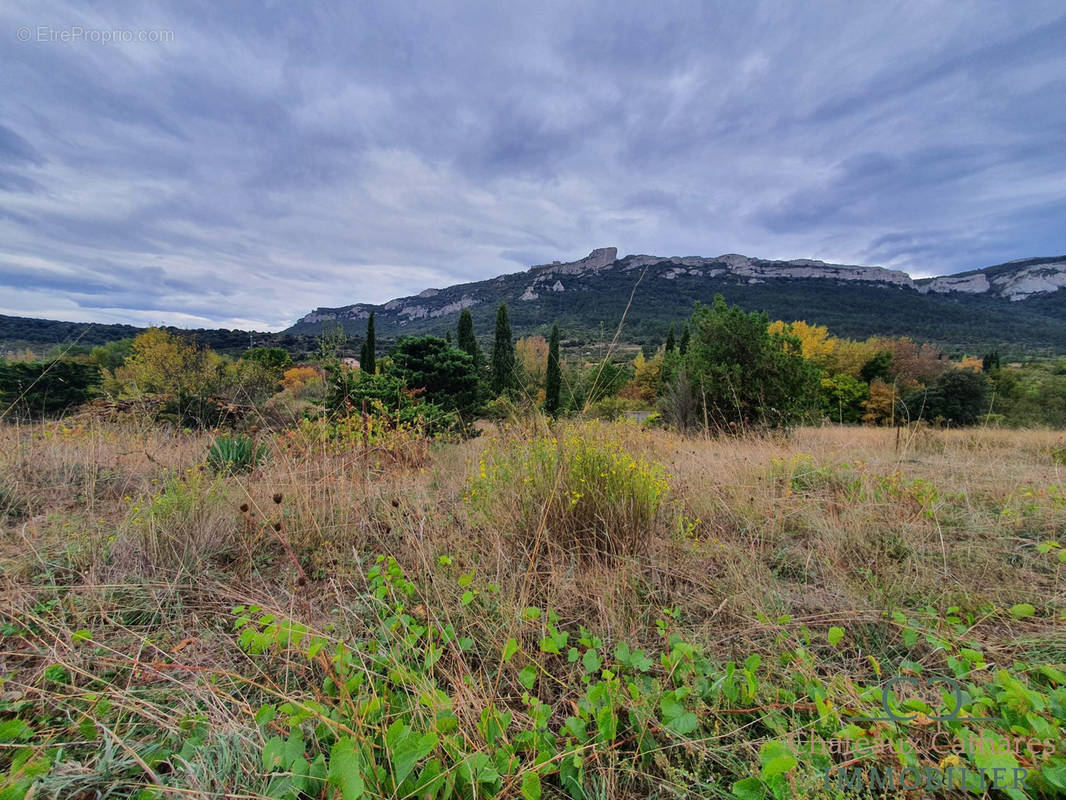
{"points": [[722, 369]]}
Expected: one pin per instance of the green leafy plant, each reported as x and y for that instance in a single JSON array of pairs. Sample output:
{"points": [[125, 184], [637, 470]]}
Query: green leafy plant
{"points": [[238, 453], [589, 497]]}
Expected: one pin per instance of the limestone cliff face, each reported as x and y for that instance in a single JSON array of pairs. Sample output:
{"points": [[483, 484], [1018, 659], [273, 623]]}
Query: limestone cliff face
{"points": [[1017, 280]]}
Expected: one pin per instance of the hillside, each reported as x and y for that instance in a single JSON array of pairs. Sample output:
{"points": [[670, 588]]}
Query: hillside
{"points": [[1016, 307], [36, 334]]}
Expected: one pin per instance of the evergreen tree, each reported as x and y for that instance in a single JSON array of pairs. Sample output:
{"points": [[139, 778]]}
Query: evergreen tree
{"points": [[958, 397], [503, 371], [466, 339], [670, 345], [443, 374], [737, 374], [553, 381], [683, 346], [367, 356]]}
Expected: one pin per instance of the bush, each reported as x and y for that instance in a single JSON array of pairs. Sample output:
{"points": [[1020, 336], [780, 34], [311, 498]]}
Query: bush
{"points": [[958, 397], [579, 496], [182, 527], [444, 374], [235, 454], [353, 392], [740, 374], [46, 389]]}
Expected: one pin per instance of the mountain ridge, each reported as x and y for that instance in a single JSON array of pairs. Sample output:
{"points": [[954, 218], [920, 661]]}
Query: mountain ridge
{"points": [[1019, 299]]}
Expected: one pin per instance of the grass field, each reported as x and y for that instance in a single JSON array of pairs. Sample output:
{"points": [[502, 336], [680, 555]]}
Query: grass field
{"points": [[593, 610]]}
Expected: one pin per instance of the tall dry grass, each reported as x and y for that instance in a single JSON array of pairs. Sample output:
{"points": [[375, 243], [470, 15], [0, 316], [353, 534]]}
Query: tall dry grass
{"points": [[126, 554]]}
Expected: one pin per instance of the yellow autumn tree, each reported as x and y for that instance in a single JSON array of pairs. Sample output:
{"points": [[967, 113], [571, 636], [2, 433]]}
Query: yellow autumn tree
{"points": [[531, 356], [880, 407], [162, 363], [646, 374], [816, 344], [850, 356], [297, 379]]}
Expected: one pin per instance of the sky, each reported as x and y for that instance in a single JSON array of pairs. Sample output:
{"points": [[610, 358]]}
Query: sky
{"points": [[209, 164]]}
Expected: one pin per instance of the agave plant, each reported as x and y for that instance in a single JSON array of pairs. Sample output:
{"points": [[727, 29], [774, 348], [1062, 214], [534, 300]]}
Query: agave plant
{"points": [[235, 454]]}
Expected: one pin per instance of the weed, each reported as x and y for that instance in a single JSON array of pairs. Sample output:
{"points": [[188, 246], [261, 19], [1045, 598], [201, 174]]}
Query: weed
{"points": [[579, 495], [237, 453]]}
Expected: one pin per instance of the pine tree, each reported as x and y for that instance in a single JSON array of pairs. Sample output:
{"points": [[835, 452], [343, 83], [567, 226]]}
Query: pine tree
{"points": [[367, 356], [670, 340], [553, 381], [503, 372], [466, 340]]}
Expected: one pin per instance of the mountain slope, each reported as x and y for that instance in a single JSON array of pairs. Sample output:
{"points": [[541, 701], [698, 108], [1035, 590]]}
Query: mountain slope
{"points": [[1016, 307], [39, 334]]}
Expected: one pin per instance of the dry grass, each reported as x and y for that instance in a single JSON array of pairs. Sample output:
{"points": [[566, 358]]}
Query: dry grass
{"points": [[122, 533]]}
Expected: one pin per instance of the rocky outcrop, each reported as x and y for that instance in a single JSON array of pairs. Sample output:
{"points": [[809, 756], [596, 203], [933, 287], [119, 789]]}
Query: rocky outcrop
{"points": [[1017, 280]]}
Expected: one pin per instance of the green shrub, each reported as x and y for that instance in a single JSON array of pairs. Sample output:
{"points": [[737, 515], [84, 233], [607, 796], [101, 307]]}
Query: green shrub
{"points": [[235, 454], [588, 497], [46, 389]]}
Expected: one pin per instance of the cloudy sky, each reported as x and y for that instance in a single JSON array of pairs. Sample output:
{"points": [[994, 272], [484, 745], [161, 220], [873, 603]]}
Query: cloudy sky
{"points": [[246, 163]]}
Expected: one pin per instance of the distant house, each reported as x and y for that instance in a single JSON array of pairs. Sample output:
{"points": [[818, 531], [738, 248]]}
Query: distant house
{"points": [[350, 363]]}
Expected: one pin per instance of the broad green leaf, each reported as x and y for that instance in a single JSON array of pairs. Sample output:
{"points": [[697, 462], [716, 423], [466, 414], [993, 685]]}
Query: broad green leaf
{"points": [[528, 676], [776, 759], [1022, 610], [836, 635], [273, 753], [408, 751], [345, 770], [591, 661], [531, 786], [749, 789], [510, 649]]}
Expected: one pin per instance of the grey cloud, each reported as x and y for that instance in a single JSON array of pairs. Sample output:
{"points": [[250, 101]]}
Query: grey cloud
{"points": [[271, 159]]}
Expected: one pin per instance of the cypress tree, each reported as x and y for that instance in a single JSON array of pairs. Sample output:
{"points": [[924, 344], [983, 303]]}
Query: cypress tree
{"points": [[553, 381], [503, 376], [466, 340], [367, 356], [683, 347], [670, 340]]}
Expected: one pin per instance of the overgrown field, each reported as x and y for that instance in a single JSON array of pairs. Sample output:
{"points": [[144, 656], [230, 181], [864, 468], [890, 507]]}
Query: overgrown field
{"points": [[588, 610]]}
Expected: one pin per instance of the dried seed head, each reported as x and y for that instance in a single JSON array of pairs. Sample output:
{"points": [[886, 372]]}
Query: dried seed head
{"points": [[395, 503], [244, 508], [277, 497], [277, 526]]}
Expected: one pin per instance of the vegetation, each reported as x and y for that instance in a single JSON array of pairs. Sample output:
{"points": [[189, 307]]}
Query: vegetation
{"points": [[503, 355], [595, 611], [243, 576], [44, 389], [736, 374], [234, 454], [41, 336], [466, 340], [553, 379], [368, 354]]}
